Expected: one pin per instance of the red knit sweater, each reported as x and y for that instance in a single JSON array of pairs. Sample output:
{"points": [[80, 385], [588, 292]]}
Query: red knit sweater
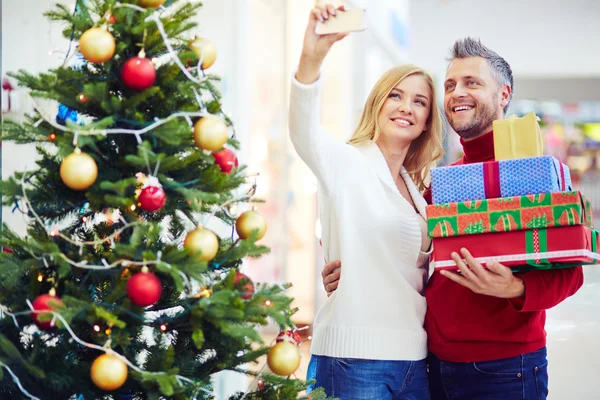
{"points": [[463, 326]]}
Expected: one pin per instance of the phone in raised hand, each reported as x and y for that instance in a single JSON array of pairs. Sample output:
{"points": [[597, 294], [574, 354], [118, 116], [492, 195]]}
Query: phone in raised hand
{"points": [[350, 20]]}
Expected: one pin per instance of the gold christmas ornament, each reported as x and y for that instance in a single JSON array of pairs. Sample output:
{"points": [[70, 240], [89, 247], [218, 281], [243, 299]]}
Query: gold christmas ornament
{"points": [[283, 358], [108, 372], [204, 241], [97, 45], [249, 222], [150, 3], [205, 50], [210, 133], [78, 170]]}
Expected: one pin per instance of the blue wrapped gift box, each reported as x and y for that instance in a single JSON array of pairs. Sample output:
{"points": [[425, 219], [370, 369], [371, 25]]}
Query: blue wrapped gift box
{"points": [[494, 179]]}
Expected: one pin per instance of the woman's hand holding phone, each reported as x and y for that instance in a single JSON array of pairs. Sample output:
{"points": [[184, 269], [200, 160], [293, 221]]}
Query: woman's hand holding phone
{"points": [[316, 46]]}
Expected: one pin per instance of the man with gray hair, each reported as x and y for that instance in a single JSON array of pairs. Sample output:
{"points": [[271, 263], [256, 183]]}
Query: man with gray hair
{"points": [[485, 327]]}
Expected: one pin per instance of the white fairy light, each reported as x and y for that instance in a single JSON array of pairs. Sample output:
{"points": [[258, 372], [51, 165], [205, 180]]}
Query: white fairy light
{"points": [[76, 338], [55, 232], [18, 382], [198, 98], [156, 18], [92, 131]]}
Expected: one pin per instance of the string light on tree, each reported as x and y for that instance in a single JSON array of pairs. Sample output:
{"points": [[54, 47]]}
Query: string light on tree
{"points": [[78, 170], [205, 50], [204, 293], [202, 241], [108, 372], [97, 45], [210, 133]]}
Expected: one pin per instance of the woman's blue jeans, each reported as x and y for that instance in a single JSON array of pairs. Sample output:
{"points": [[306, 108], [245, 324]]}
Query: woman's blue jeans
{"points": [[357, 379]]}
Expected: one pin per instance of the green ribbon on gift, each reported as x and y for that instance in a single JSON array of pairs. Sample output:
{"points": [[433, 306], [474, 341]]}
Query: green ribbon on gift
{"points": [[544, 264], [531, 247]]}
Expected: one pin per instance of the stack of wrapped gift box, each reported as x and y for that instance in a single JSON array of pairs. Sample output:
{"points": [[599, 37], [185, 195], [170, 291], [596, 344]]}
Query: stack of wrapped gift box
{"points": [[519, 210]]}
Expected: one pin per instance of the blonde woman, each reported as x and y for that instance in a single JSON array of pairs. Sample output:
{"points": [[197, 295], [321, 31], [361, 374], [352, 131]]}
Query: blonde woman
{"points": [[368, 339]]}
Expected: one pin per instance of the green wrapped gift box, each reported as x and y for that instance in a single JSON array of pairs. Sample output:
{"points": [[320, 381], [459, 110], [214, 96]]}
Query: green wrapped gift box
{"points": [[516, 213]]}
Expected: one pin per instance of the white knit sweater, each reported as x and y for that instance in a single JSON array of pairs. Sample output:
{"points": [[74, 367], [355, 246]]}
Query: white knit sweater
{"points": [[377, 312]]}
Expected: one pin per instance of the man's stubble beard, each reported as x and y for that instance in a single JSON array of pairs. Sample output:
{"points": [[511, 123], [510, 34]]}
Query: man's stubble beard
{"points": [[481, 121]]}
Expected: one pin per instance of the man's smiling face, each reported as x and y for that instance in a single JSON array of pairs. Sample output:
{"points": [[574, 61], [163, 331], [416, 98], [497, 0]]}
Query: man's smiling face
{"points": [[472, 97]]}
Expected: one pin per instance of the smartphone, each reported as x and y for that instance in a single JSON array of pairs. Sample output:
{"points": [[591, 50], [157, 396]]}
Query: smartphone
{"points": [[351, 20]]}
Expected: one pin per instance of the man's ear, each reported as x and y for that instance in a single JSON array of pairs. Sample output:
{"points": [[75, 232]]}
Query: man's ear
{"points": [[505, 95]]}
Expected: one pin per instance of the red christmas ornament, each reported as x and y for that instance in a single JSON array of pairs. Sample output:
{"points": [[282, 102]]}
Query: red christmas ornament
{"points": [[138, 73], [290, 336], [245, 285], [226, 160], [6, 85], [144, 288], [152, 198], [43, 303]]}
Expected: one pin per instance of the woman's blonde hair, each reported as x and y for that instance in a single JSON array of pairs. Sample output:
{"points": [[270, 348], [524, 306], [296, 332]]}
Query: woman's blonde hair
{"points": [[425, 150]]}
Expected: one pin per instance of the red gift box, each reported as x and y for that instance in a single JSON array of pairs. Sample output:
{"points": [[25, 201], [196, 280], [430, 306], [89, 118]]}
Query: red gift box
{"points": [[559, 247]]}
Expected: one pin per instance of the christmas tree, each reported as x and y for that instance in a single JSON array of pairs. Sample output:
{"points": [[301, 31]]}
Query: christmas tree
{"points": [[120, 289]]}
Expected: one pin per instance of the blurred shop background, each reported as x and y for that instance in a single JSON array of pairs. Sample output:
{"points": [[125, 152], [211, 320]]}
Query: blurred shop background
{"points": [[553, 47]]}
